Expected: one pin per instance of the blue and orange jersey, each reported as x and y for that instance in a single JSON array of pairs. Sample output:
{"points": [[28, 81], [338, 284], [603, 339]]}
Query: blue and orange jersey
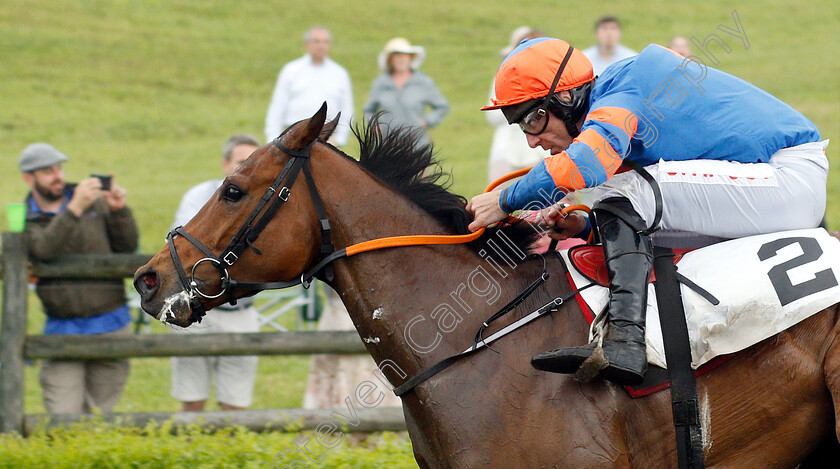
{"points": [[659, 106]]}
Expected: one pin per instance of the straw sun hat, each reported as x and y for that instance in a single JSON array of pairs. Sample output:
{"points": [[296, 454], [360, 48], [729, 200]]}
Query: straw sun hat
{"points": [[401, 45]]}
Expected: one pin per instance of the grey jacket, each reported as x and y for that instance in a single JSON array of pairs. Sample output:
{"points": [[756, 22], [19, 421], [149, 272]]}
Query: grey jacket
{"points": [[418, 100]]}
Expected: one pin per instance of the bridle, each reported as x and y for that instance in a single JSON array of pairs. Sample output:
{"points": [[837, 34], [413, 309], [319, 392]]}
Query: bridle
{"points": [[275, 196]]}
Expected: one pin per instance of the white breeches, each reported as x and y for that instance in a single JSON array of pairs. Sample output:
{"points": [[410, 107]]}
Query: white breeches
{"points": [[705, 201]]}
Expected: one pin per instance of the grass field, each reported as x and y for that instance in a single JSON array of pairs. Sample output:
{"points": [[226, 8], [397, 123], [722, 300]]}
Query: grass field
{"points": [[149, 91]]}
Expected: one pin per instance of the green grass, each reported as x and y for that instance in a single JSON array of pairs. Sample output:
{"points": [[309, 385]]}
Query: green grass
{"points": [[149, 90], [95, 445]]}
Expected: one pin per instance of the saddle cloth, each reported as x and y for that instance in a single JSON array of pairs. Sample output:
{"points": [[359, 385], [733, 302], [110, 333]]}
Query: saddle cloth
{"points": [[765, 284]]}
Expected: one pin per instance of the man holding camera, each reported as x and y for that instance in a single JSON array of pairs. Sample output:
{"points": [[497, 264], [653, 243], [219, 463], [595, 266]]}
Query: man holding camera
{"points": [[90, 217]]}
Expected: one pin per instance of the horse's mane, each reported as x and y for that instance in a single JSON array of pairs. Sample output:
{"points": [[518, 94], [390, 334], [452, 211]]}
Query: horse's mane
{"points": [[405, 162]]}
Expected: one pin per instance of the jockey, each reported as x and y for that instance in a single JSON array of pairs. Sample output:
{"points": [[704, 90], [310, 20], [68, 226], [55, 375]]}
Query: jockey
{"points": [[731, 161]]}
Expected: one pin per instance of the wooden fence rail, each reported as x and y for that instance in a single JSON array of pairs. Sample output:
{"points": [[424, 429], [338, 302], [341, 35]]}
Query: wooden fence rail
{"points": [[16, 346], [376, 419], [84, 347], [80, 266]]}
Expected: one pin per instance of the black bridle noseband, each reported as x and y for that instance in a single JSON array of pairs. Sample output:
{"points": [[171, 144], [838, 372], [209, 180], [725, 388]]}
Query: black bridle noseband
{"points": [[250, 231]]}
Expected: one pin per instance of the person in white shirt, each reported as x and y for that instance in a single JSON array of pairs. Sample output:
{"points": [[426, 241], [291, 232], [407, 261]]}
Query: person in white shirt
{"points": [[509, 150], [304, 84], [235, 375], [607, 51], [681, 46]]}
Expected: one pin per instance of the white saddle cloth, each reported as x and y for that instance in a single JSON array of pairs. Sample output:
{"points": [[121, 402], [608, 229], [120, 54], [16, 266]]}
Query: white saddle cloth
{"points": [[765, 284]]}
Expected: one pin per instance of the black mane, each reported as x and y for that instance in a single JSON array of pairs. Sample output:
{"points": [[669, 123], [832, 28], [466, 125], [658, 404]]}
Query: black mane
{"points": [[407, 164]]}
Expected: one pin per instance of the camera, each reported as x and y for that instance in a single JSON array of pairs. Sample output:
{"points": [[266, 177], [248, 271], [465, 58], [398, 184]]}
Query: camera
{"points": [[105, 179]]}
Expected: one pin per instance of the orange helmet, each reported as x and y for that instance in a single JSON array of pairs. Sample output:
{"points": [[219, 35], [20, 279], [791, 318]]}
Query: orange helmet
{"points": [[528, 71], [527, 74]]}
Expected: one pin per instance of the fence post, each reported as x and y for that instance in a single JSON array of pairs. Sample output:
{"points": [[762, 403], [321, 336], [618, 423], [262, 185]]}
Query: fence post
{"points": [[13, 332]]}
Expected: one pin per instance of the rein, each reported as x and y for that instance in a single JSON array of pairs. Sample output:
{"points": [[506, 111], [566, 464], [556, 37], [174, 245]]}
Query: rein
{"points": [[275, 196], [251, 229]]}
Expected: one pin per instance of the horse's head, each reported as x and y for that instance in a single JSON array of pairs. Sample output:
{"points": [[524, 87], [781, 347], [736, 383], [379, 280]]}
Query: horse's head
{"points": [[225, 246]]}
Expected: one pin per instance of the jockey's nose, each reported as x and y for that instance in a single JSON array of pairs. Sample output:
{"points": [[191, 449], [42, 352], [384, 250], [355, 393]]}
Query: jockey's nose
{"points": [[146, 283]]}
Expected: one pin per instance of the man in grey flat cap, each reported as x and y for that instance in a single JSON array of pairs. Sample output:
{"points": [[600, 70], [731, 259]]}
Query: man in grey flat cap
{"points": [[81, 218]]}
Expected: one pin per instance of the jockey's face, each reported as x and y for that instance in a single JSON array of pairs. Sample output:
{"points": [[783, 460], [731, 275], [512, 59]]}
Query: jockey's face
{"points": [[555, 138]]}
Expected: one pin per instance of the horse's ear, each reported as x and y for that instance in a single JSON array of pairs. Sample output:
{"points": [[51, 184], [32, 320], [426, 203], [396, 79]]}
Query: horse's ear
{"points": [[305, 132], [329, 128]]}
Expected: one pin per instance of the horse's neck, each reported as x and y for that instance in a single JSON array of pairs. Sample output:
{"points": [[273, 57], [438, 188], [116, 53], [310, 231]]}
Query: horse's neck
{"points": [[385, 290], [415, 305]]}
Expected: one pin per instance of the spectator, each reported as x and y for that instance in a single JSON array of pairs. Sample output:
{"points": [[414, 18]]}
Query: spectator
{"points": [[404, 92], [608, 50], [680, 45], [83, 218], [304, 84], [334, 377], [510, 150], [235, 375]]}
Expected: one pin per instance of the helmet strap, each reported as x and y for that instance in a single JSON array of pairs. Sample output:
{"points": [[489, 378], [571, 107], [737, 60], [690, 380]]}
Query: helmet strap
{"points": [[571, 127]]}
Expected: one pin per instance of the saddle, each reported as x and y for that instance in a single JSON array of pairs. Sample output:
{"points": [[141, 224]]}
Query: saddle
{"points": [[589, 261], [762, 285]]}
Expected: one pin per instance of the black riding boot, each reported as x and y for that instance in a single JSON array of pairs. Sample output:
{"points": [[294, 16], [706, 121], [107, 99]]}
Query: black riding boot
{"points": [[623, 359]]}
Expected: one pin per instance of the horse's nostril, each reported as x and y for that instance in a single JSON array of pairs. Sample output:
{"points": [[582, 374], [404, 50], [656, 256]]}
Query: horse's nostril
{"points": [[146, 283], [150, 280]]}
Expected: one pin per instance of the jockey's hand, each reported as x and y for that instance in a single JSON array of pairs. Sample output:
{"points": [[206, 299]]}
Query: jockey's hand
{"points": [[557, 226], [485, 210]]}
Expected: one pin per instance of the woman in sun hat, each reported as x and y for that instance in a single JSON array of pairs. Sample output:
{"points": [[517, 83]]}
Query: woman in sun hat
{"points": [[408, 97]]}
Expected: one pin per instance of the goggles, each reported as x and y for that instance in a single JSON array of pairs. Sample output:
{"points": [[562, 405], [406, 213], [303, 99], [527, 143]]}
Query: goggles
{"points": [[535, 120]]}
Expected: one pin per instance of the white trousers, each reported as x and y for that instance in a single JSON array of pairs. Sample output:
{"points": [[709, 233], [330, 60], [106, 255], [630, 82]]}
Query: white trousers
{"points": [[234, 375], [705, 201]]}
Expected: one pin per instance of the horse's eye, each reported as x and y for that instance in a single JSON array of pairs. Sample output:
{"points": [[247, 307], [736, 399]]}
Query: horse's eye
{"points": [[232, 193]]}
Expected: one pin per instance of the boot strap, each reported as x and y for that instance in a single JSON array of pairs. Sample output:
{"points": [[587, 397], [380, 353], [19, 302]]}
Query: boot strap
{"points": [[644, 253]]}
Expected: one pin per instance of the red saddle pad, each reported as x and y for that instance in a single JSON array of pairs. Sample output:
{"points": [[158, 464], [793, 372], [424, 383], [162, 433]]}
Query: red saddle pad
{"points": [[588, 259]]}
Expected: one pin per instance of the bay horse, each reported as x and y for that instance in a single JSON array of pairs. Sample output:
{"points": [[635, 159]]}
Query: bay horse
{"points": [[769, 406]]}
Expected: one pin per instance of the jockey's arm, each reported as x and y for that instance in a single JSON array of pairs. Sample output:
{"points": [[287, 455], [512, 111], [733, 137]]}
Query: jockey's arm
{"points": [[591, 159]]}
